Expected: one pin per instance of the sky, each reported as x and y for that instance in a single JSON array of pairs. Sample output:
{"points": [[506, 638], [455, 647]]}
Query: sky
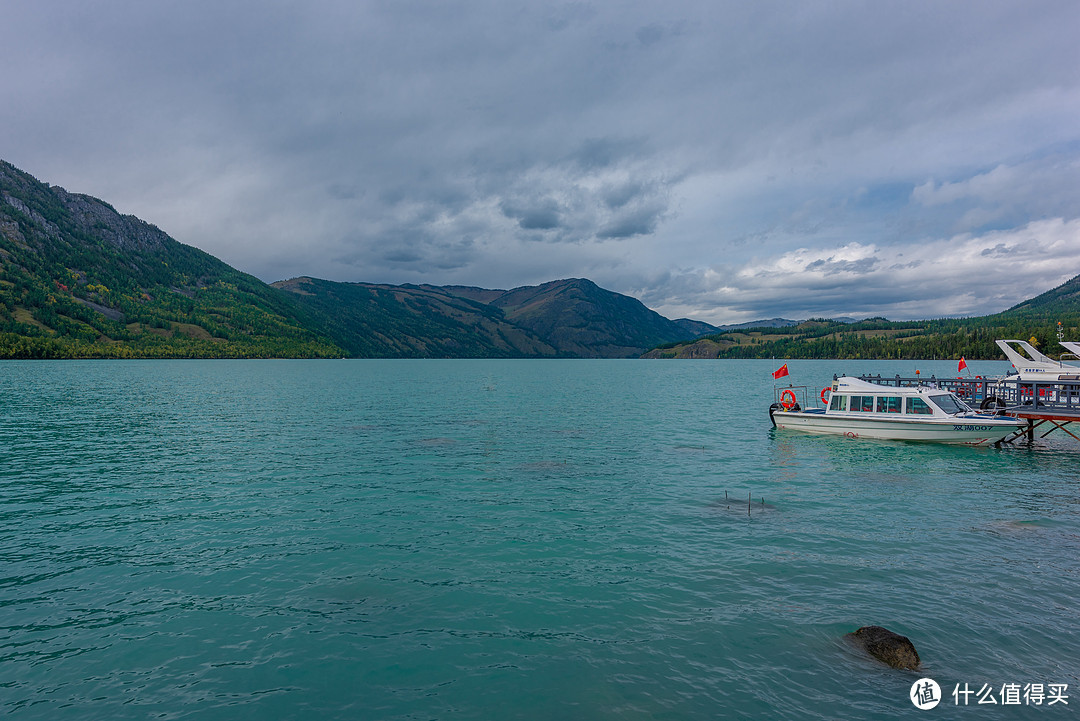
{"points": [[721, 160]]}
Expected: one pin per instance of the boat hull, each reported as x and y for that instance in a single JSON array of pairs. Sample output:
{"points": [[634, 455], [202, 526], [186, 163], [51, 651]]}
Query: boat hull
{"points": [[972, 431]]}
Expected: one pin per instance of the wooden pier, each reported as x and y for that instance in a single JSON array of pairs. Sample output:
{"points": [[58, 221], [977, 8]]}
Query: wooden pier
{"points": [[1041, 403]]}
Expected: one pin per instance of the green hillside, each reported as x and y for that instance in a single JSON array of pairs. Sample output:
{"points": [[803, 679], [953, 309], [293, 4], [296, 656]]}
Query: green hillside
{"points": [[572, 318], [581, 319], [408, 321], [79, 280], [1063, 301]]}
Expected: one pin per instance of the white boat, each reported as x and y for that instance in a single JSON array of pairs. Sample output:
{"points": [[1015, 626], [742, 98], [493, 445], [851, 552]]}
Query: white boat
{"points": [[1031, 365], [858, 409]]}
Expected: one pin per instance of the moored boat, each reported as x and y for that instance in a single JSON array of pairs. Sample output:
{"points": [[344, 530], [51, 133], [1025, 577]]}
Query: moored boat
{"points": [[1031, 365], [859, 409], [1073, 348]]}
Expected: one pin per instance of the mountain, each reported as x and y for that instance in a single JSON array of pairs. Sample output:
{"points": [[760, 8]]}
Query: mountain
{"points": [[1061, 300], [571, 318], [771, 323], [78, 279], [695, 328], [386, 321], [581, 319]]}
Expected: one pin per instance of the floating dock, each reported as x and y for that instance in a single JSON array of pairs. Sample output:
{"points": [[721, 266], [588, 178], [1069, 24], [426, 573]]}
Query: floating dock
{"points": [[1055, 403]]}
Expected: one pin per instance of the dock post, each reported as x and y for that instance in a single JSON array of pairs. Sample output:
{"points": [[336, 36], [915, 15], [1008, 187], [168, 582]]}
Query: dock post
{"points": [[1031, 429]]}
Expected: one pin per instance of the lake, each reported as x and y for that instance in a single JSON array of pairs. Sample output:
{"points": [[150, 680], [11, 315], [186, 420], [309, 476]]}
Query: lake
{"points": [[509, 540]]}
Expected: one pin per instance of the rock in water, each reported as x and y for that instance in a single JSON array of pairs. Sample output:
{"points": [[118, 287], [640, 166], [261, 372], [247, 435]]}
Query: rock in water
{"points": [[888, 647]]}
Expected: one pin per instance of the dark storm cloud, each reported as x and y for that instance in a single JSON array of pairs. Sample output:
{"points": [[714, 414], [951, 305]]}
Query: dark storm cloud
{"points": [[542, 215], [644, 145], [640, 222], [598, 153], [621, 195]]}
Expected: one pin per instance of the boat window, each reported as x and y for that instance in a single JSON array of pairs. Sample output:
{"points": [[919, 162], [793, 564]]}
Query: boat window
{"points": [[863, 404], [949, 403], [919, 407], [838, 403], [888, 404]]}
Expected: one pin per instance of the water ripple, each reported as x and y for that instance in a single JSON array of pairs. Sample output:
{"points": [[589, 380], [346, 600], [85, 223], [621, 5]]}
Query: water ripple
{"points": [[502, 540]]}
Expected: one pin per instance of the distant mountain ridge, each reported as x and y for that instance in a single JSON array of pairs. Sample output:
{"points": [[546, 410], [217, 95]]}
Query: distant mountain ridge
{"points": [[572, 318], [80, 280], [579, 318], [772, 323], [371, 320]]}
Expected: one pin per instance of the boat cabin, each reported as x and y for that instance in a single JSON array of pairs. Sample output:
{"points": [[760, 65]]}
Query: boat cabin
{"points": [[911, 405], [850, 395]]}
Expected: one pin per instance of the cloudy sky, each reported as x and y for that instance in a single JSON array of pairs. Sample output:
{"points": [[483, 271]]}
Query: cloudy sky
{"points": [[723, 160]]}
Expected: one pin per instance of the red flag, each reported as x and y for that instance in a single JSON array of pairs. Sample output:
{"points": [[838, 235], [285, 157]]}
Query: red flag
{"points": [[962, 365], [780, 372]]}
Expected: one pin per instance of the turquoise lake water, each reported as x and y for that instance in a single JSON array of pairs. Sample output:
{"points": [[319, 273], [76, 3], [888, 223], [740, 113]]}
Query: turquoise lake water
{"points": [[509, 540]]}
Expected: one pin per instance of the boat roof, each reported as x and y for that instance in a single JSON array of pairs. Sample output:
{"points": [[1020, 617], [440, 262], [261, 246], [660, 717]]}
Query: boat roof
{"points": [[848, 384]]}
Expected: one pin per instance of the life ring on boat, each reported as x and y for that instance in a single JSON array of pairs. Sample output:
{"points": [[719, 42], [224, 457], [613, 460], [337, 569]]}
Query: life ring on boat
{"points": [[824, 391], [787, 399]]}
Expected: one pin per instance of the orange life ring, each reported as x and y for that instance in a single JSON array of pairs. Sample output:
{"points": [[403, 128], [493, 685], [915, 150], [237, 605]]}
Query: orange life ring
{"points": [[787, 399], [825, 390]]}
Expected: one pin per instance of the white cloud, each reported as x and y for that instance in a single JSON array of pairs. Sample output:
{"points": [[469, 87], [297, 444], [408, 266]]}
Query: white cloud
{"points": [[958, 276]]}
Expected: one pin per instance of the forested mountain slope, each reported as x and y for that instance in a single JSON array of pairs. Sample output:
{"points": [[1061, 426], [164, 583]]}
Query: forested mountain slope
{"points": [[571, 318], [80, 280], [370, 320]]}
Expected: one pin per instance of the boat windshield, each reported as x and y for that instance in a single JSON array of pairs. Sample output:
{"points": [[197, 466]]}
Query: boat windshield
{"points": [[949, 403]]}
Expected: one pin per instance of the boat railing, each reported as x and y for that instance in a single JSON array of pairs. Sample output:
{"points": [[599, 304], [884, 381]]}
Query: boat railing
{"points": [[1009, 394], [802, 394]]}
